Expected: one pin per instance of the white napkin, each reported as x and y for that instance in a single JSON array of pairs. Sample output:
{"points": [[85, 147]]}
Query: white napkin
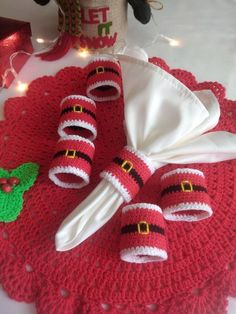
{"points": [[166, 122]]}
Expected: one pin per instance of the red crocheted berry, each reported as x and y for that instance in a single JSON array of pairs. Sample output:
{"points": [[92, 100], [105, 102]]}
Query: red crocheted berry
{"points": [[13, 181], [7, 188]]}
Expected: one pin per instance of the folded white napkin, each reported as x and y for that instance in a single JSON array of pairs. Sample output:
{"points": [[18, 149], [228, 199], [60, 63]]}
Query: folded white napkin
{"points": [[166, 122]]}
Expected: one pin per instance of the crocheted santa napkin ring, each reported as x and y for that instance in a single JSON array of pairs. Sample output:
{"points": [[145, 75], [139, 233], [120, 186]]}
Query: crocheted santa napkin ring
{"points": [[72, 161], [184, 195], [78, 117], [128, 172], [104, 81], [143, 234]]}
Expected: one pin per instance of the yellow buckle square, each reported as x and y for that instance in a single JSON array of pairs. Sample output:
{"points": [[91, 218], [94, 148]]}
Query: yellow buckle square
{"points": [[127, 166], [146, 225], [100, 70], [77, 108], [186, 186], [70, 153]]}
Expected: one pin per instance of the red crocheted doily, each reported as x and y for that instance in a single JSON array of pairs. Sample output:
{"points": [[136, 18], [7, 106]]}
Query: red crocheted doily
{"points": [[201, 270]]}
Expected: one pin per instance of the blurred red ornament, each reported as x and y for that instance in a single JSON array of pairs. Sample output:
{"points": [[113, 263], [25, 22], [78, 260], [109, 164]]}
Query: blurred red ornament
{"points": [[15, 36]]}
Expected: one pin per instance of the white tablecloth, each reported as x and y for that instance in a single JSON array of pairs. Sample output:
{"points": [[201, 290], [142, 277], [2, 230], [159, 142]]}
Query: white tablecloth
{"points": [[205, 34]]}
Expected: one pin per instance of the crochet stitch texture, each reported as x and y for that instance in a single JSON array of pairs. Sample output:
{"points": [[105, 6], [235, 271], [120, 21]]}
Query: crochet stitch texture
{"points": [[91, 279], [11, 203]]}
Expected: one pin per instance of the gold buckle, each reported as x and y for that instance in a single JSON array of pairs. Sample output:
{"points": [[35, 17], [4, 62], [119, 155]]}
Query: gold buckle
{"points": [[100, 70], [186, 186], [77, 108], [70, 153], [144, 223], [127, 163]]}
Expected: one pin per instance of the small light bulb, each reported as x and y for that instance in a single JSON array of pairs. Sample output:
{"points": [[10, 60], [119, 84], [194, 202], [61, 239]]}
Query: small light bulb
{"points": [[83, 52], [174, 42], [40, 40], [21, 86]]}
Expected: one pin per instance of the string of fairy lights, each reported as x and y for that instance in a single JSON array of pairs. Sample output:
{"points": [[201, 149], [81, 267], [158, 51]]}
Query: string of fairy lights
{"points": [[83, 53], [23, 86]]}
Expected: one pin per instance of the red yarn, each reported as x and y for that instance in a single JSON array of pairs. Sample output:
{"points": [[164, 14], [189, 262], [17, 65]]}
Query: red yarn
{"points": [[72, 162], [104, 80], [200, 272], [78, 117], [60, 48], [143, 236], [184, 193], [128, 172]]}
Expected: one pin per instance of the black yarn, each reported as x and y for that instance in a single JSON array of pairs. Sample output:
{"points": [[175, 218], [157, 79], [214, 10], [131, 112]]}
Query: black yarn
{"points": [[42, 2], [142, 10]]}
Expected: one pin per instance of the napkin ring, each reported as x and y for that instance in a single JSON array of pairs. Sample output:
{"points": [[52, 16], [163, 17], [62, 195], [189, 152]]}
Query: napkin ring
{"points": [[72, 161], [104, 80], [184, 195], [143, 236], [128, 172], [78, 117]]}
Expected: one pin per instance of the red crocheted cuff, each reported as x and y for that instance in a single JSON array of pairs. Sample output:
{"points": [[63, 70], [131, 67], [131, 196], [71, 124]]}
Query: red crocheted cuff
{"points": [[104, 80], [184, 195], [128, 172], [72, 161], [143, 234], [78, 117]]}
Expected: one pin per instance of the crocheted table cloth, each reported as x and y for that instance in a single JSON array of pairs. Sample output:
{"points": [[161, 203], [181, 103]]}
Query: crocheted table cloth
{"points": [[201, 268]]}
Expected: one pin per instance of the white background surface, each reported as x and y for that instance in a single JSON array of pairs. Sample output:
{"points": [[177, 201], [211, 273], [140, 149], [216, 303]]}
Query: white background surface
{"points": [[205, 29]]}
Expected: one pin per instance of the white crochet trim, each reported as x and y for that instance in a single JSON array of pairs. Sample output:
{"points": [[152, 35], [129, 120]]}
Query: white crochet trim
{"points": [[169, 212], [141, 206], [75, 138], [102, 83], [153, 254], [116, 183], [104, 58], [71, 170], [143, 157], [78, 97], [80, 123], [182, 170]]}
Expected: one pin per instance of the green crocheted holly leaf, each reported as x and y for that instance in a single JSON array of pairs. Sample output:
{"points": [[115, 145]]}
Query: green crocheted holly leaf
{"points": [[11, 203]]}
